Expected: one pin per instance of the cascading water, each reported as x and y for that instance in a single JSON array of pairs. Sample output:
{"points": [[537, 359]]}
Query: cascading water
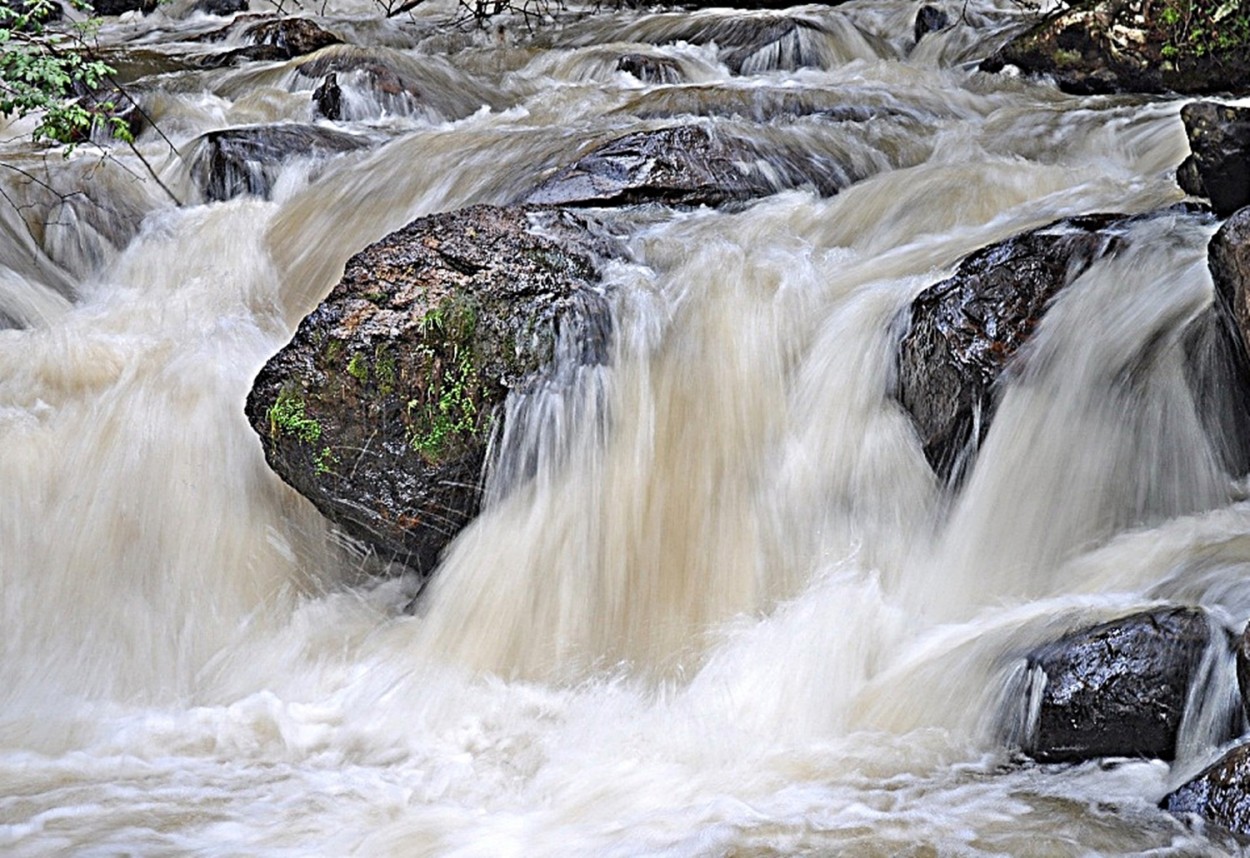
{"points": [[727, 609]]}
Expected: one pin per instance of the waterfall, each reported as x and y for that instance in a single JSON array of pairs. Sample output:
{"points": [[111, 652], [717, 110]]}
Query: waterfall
{"points": [[717, 602]]}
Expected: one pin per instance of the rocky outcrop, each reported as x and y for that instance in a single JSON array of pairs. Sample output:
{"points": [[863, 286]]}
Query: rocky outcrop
{"points": [[964, 331], [1218, 167], [1229, 259], [1128, 46], [1219, 794], [650, 69], [293, 37], [687, 165], [373, 81], [238, 161], [1117, 689], [380, 409], [929, 19], [220, 7], [121, 7]]}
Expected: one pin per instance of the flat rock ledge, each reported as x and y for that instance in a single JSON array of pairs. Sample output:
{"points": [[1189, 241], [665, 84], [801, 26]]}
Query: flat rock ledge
{"points": [[381, 407]]}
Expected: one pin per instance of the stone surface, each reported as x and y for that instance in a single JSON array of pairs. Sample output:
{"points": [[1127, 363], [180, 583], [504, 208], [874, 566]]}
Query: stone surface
{"points": [[294, 37], [121, 7], [1120, 47], [1220, 794], [649, 69], [685, 165], [328, 97], [1117, 689], [380, 409], [1219, 164], [963, 331], [238, 161], [221, 7], [929, 19]]}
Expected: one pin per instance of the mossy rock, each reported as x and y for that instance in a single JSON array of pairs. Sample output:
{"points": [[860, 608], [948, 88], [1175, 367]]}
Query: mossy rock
{"points": [[381, 408]]}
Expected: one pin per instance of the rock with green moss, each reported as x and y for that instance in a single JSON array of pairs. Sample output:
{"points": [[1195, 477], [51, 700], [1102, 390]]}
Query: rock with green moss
{"points": [[1149, 46], [381, 408]]}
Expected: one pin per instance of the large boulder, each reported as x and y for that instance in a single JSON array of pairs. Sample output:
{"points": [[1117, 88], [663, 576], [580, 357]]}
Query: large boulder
{"points": [[964, 331], [685, 165], [1117, 689], [380, 409], [238, 161], [1218, 167], [1131, 46], [1219, 794]]}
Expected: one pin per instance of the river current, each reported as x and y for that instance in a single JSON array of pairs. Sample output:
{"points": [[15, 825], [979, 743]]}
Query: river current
{"points": [[738, 615]]}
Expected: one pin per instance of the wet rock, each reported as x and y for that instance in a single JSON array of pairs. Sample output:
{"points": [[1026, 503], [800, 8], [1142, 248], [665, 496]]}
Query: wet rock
{"points": [[376, 80], [328, 97], [1216, 347], [1220, 794], [237, 161], [293, 37], [963, 331], [649, 69], [1117, 689], [380, 409], [1243, 669], [221, 7], [121, 7], [1125, 46], [929, 19], [1219, 164], [685, 165]]}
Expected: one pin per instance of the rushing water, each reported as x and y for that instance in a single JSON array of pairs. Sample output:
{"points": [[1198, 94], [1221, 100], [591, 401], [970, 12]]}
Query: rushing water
{"points": [[736, 614]]}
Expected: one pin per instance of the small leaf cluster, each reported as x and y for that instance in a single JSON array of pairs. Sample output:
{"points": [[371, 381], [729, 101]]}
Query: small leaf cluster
{"points": [[47, 72], [1198, 28]]}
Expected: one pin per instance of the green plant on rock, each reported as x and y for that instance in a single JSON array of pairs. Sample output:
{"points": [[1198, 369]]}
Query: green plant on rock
{"points": [[1197, 28], [49, 73], [289, 416], [358, 368], [452, 417]]}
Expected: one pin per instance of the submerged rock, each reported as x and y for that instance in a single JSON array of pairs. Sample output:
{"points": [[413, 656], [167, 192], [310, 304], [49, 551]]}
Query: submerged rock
{"points": [[293, 37], [964, 331], [650, 69], [685, 165], [238, 161], [1127, 46], [1218, 167], [929, 19], [1219, 794], [380, 409], [1117, 689]]}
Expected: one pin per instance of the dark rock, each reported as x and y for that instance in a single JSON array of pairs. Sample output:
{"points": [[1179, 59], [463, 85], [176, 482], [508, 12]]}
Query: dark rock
{"points": [[650, 69], [929, 19], [328, 97], [116, 109], [1220, 794], [1217, 363], [1243, 669], [221, 7], [1219, 166], [294, 37], [380, 409], [964, 331], [236, 161], [686, 165], [121, 7], [1120, 47], [388, 80], [1117, 689]]}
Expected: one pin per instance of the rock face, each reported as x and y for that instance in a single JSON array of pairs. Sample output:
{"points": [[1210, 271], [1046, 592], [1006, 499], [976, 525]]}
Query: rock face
{"points": [[1126, 47], [293, 37], [121, 7], [964, 331], [380, 409], [237, 161], [684, 165], [929, 19], [1219, 794], [1119, 688], [1219, 166]]}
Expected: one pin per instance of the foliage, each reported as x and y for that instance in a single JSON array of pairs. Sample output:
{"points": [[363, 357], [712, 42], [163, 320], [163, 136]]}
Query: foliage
{"points": [[1197, 28], [48, 72], [454, 415], [288, 416]]}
